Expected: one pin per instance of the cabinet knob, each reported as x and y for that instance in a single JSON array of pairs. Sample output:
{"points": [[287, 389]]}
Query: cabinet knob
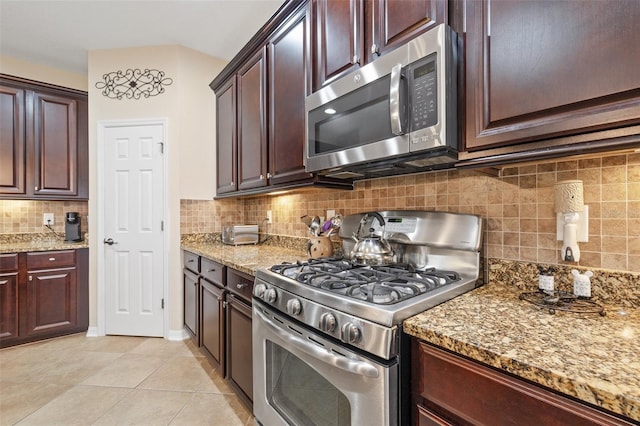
{"points": [[30, 277], [268, 175], [231, 183], [36, 188], [261, 177], [240, 286], [374, 49], [355, 60]]}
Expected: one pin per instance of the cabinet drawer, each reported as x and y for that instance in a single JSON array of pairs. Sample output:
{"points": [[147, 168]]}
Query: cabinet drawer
{"points": [[240, 284], [212, 271], [192, 261], [51, 259], [8, 262]]}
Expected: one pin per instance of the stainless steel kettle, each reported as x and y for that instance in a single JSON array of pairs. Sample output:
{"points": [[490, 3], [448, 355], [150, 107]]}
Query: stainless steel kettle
{"points": [[372, 249]]}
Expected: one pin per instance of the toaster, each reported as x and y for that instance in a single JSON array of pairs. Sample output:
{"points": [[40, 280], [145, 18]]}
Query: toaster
{"points": [[240, 234]]}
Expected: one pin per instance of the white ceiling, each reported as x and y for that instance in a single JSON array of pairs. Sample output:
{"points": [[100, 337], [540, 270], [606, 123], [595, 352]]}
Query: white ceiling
{"points": [[59, 33]]}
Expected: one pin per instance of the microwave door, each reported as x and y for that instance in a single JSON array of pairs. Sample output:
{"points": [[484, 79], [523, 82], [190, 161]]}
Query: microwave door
{"points": [[359, 126]]}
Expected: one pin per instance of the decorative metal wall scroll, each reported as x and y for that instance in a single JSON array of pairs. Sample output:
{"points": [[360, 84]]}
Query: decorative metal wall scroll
{"points": [[133, 83]]}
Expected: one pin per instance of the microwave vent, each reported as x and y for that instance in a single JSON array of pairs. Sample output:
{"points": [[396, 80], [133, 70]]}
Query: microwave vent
{"points": [[345, 175]]}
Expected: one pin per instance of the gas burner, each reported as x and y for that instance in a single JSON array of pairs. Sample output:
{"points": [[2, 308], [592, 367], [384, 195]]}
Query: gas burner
{"points": [[379, 284]]}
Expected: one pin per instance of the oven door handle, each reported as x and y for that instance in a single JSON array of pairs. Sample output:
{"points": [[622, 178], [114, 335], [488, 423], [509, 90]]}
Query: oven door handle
{"points": [[355, 367]]}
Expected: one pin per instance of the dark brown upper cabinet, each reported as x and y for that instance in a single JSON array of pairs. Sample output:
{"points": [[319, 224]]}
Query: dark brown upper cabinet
{"points": [[352, 33], [549, 78], [289, 84], [43, 141], [226, 138], [252, 126]]}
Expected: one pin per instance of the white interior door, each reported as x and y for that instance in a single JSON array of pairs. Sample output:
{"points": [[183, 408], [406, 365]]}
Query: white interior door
{"points": [[133, 213]]}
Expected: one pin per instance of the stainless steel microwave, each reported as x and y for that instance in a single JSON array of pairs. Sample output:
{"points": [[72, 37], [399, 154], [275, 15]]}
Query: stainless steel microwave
{"points": [[396, 115]]}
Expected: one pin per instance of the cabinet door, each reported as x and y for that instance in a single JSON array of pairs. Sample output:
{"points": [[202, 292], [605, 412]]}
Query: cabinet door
{"points": [[289, 84], [190, 284], [51, 301], [226, 142], [537, 70], [394, 23], [239, 371], [252, 130], [55, 142], [12, 142], [339, 30], [8, 305], [212, 323], [465, 392]]}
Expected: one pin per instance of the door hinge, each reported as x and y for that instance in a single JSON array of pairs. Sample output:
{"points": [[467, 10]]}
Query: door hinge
{"points": [[162, 303], [161, 147], [162, 225]]}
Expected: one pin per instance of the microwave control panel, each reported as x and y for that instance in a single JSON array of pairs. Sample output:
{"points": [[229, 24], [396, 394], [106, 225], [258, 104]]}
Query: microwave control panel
{"points": [[423, 82]]}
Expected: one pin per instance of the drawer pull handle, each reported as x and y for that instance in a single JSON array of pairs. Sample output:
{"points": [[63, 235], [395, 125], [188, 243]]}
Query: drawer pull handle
{"points": [[240, 286], [52, 259], [212, 270], [190, 261]]}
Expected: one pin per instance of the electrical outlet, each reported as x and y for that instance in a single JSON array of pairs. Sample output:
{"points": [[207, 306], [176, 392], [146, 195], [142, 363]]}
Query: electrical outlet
{"points": [[47, 219], [269, 217], [330, 214]]}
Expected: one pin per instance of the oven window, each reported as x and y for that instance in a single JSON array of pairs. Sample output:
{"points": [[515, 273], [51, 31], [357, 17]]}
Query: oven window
{"points": [[300, 394]]}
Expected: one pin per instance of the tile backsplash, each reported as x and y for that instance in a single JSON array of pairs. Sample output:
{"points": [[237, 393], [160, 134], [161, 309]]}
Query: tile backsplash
{"points": [[517, 207], [25, 216]]}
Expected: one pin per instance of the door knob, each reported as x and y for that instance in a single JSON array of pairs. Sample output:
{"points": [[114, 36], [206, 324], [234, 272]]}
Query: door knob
{"points": [[109, 241]]}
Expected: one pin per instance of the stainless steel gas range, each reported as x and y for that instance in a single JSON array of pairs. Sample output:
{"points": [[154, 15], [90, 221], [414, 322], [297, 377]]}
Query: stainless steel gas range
{"points": [[327, 339]]}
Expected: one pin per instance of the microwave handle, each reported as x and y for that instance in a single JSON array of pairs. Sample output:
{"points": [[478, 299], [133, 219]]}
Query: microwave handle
{"points": [[394, 100]]}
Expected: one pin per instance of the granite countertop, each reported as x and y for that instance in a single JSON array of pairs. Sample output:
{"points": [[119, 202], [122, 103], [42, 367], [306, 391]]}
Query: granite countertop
{"points": [[39, 244], [587, 356], [245, 258]]}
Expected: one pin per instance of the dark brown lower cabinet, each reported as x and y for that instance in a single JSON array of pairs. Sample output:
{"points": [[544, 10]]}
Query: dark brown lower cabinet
{"points": [[239, 371], [43, 295], [212, 323], [8, 297], [448, 389], [190, 286]]}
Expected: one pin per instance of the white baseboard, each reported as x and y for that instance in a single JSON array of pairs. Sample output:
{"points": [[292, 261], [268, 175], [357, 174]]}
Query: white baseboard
{"points": [[177, 335], [92, 332]]}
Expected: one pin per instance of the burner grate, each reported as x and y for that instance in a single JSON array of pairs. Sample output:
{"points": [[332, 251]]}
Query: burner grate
{"points": [[379, 284]]}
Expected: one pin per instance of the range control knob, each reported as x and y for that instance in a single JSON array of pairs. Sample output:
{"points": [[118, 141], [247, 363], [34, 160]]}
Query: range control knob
{"points": [[258, 290], [327, 322], [351, 333], [270, 295], [294, 307]]}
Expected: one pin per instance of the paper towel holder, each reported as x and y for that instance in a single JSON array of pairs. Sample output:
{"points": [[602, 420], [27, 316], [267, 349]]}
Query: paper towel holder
{"points": [[572, 218]]}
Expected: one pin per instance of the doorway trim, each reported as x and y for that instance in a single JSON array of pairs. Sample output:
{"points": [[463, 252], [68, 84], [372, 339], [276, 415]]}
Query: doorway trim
{"points": [[103, 125]]}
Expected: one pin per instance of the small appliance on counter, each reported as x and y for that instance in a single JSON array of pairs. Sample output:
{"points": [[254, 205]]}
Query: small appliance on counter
{"points": [[72, 227], [240, 234]]}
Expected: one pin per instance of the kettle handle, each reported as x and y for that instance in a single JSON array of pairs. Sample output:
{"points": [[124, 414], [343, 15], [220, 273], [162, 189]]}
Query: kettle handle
{"points": [[366, 216]]}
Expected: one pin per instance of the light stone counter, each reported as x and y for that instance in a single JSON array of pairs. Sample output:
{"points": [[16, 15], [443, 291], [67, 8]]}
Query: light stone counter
{"points": [[245, 258], [592, 358], [21, 243]]}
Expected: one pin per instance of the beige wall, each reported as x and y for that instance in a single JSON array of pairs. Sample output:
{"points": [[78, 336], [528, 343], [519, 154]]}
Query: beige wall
{"points": [[517, 207], [32, 71], [188, 104]]}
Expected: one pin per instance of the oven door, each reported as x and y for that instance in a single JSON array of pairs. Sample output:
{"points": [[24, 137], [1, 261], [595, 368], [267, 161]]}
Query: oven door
{"points": [[301, 378]]}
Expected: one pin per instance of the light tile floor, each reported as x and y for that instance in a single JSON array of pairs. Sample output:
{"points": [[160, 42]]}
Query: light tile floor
{"points": [[114, 380]]}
